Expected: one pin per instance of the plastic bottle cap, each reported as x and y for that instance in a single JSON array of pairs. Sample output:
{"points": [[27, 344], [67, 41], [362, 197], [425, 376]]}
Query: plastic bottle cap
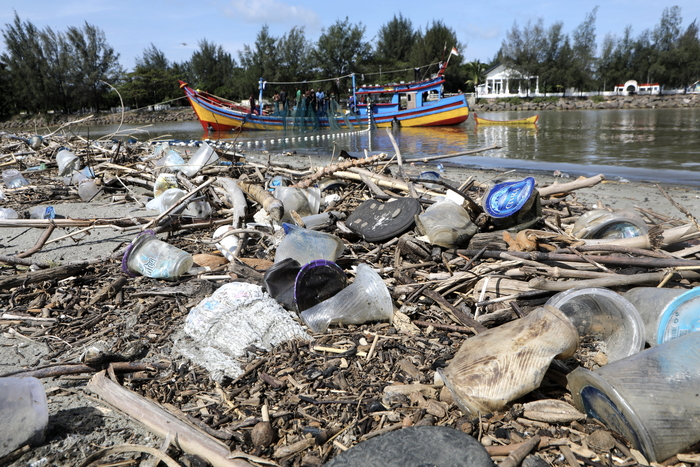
{"points": [[506, 198]]}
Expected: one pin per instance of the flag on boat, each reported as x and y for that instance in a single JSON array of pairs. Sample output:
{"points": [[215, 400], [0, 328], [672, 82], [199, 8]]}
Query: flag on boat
{"points": [[454, 51]]}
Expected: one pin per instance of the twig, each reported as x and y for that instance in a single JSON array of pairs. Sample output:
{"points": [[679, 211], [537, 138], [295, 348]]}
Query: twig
{"points": [[516, 457], [181, 201], [679, 207], [40, 243]]}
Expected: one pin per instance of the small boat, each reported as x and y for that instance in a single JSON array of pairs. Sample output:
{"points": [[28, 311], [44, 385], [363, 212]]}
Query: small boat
{"points": [[521, 121], [414, 104]]}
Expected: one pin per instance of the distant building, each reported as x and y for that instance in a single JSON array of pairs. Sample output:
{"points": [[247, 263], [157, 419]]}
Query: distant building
{"points": [[505, 82], [631, 88]]}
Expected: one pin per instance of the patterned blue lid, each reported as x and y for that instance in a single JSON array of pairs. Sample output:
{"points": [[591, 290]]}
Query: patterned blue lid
{"points": [[506, 198]]}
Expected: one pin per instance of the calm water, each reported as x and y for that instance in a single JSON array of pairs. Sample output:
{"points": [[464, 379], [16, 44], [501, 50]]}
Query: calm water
{"points": [[651, 144]]}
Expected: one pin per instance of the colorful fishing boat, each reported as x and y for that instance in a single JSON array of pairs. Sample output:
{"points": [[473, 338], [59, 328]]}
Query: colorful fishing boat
{"points": [[414, 104], [532, 120]]}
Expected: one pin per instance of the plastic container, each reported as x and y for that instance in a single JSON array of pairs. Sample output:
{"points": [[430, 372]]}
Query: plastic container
{"points": [[67, 162], [42, 212], [24, 413], [166, 200], [650, 398], [602, 224], [366, 299], [603, 315], [227, 245], [204, 156], [8, 213], [199, 208], [322, 218], [513, 204], [150, 257], [504, 363], [171, 160], [36, 142], [306, 245], [446, 224], [13, 179], [293, 199], [164, 182], [667, 313], [88, 189]]}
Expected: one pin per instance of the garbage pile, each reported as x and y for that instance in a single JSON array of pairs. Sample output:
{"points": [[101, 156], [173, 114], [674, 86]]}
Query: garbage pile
{"points": [[370, 311]]}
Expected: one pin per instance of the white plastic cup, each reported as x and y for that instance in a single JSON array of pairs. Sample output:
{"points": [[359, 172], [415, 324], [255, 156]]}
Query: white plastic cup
{"points": [[25, 413], [366, 299], [67, 161], [150, 257], [13, 179], [604, 315], [88, 189], [650, 398], [204, 156], [306, 245], [667, 313], [227, 245], [8, 213], [293, 199]]}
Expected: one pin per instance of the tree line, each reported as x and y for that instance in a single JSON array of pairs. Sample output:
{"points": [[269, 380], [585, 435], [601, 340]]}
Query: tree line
{"points": [[75, 70], [667, 54]]}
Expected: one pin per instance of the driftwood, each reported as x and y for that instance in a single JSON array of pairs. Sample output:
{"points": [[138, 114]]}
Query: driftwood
{"points": [[33, 277], [614, 280], [326, 171], [260, 195], [561, 188], [163, 423]]}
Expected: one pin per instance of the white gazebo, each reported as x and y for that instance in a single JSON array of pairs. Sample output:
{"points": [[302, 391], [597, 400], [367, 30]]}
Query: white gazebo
{"points": [[498, 81]]}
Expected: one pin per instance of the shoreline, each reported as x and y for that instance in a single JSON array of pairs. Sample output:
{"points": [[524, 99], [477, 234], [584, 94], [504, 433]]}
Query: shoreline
{"points": [[185, 113]]}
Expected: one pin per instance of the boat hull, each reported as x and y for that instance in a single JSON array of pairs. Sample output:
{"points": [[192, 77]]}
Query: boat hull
{"points": [[521, 121], [215, 117]]}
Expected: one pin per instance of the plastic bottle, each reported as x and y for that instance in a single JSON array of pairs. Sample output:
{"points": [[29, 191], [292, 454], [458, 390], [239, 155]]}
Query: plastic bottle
{"points": [[204, 156], [42, 212]]}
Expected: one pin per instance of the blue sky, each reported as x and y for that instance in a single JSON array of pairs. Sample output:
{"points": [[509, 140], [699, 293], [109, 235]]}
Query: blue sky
{"points": [[176, 27]]}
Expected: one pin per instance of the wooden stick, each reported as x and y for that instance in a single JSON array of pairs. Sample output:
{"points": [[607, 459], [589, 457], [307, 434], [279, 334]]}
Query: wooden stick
{"points": [[561, 188], [516, 457], [179, 202], [612, 281], [39, 244], [455, 154], [33, 277], [163, 423]]}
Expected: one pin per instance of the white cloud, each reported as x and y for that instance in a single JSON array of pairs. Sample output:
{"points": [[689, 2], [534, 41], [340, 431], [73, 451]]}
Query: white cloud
{"points": [[271, 11]]}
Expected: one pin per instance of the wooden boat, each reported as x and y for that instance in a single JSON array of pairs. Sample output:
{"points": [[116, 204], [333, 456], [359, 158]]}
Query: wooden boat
{"points": [[414, 104], [532, 120]]}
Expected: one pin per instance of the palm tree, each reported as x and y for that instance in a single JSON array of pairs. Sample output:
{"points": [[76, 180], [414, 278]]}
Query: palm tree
{"points": [[476, 72]]}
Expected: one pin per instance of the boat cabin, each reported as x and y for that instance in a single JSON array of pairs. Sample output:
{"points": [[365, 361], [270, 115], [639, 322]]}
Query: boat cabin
{"points": [[399, 96]]}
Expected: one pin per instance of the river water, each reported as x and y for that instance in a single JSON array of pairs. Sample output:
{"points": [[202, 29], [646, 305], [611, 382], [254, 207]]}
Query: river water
{"points": [[660, 145]]}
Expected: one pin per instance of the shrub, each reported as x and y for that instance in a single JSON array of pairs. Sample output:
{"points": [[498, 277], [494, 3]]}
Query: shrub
{"points": [[598, 99]]}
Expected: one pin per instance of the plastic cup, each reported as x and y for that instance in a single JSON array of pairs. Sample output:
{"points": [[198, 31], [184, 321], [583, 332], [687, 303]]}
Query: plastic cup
{"points": [[293, 199], [205, 155], [25, 413], [446, 224], [602, 224], [306, 245], [667, 313], [366, 299], [227, 245], [150, 257], [42, 212], [13, 179], [505, 363], [8, 213], [67, 161], [651, 398], [88, 189], [317, 281], [604, 315]]}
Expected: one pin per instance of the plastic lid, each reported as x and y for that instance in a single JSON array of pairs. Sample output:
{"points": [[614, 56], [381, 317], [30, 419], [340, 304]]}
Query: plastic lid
{"points": [[506, 198], [317, 281], [377, 222], [130, 247], [681, 316]]}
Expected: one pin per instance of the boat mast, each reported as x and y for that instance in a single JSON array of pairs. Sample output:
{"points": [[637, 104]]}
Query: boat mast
{"points": [[261, 85], [354, 86]]}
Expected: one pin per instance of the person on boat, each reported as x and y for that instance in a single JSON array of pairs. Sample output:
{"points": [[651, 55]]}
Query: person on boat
{"points": [[275, 105], [321, 101], [351, 104], [283, 99], [253, 107]]}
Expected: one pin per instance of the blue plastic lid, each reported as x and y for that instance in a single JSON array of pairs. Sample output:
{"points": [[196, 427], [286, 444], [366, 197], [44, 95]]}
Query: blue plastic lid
{"points": [[506, 198], [681, 316]]}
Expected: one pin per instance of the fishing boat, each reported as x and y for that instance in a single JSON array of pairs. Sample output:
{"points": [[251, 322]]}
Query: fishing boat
{"points": [[414, 104], [532, 120]]}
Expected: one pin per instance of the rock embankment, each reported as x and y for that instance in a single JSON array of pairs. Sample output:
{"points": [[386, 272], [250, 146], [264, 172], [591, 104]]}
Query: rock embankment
{"points": [[589, 103], [32, 123]]}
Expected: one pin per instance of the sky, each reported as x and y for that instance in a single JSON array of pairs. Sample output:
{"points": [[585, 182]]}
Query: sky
{"points": [[176, 27]]}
